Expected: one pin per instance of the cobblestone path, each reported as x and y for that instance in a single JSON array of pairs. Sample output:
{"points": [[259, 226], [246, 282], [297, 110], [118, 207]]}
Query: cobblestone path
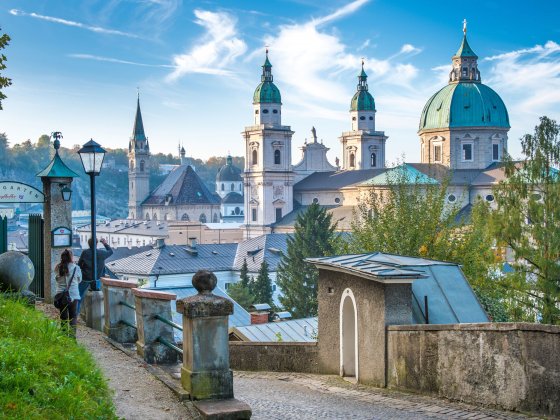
{"points": [[303, 396]]}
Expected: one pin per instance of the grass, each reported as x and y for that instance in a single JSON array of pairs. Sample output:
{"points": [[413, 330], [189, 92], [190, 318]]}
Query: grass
{"points": [[44, 373]]}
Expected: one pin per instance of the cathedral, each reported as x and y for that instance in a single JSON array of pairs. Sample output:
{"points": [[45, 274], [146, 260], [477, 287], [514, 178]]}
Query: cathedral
{"points": [[463, 134]]}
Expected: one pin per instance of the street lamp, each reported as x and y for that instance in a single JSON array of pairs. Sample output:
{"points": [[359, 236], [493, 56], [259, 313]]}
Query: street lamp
{"points": [[92, 155], [66, 192]]}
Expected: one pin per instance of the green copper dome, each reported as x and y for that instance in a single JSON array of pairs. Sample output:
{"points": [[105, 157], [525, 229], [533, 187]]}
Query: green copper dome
{"points": [[464, 104], [362, 99], [266, 91]]}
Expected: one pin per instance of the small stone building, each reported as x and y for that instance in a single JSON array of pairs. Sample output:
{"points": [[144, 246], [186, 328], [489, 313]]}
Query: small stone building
{"points": [[360, 295]]}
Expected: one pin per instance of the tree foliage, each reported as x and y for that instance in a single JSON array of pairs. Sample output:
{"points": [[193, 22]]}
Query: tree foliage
{"points": [[262, 286], [527, 221], [241, 291], [412, 217], [314, 236], [4, 81]]}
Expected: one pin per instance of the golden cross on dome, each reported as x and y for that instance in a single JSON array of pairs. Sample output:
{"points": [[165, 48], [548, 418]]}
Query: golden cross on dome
{"points": [[465, 26]]}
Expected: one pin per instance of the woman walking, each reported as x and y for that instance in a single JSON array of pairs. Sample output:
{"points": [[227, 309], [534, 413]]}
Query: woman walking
{"points": [[68, 276]]}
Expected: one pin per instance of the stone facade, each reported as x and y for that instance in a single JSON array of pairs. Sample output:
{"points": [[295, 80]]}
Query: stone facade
{"points": [[274, 357], [510, 366]]}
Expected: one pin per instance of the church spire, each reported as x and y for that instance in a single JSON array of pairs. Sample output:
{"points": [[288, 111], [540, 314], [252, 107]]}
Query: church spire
{"points": [[267, 70], [138, 129], [465, 62], [362, 79]]}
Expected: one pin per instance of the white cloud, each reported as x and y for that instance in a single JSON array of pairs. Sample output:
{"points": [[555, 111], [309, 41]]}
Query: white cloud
{"points": [[116, 60], [215, 51], [339, 13], [97, 29]]}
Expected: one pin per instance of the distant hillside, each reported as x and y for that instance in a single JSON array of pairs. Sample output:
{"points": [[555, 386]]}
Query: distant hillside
{"points": [[21, 162]]}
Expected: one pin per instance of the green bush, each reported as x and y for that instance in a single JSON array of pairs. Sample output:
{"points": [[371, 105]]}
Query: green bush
{"points": [[44, 373]]}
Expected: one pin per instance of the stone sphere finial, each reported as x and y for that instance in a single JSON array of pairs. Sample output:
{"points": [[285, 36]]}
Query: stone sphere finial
{"points": [[204, 281]]}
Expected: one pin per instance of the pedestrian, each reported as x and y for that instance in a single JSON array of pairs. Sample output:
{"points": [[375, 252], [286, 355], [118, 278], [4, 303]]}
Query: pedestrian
{"points": [[85, 264], [68, 277]]}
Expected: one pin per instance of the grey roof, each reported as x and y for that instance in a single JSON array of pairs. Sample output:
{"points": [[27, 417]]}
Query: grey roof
{"points": [[182, 186], [377, 266], [118, 253], [327, 181], [175, 259], [130, 227], [271, 247], [229, 173], [296, 330], [450, 297], [240, 316], [342, 215], [441, 172], [490, 176], [233, 198]]}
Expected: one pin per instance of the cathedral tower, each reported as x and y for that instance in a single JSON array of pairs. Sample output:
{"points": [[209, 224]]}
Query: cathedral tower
{"points": [[138, 167], [268, 175], [363, 147], [465, 124]]}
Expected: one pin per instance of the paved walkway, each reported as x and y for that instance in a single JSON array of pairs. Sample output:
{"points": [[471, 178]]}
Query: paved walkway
{"points": [[304, 396]]}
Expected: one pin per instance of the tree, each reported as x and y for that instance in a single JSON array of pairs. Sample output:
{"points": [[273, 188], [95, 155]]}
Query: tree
{"points": [[527, 220], [314, 236], [262, 286], [411, 216], [241, 291], [4, 81]]}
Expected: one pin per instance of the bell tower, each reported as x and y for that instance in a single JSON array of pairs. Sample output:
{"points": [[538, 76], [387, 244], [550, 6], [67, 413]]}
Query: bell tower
{"points": [[138, 167], [363, 147], [268, 177]]}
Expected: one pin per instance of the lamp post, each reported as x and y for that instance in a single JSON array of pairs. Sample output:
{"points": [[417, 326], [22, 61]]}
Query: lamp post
{"points": [[92, 155]]}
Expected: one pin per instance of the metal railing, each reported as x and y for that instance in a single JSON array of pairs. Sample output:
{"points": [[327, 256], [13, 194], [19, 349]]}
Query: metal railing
{"points": [[128, 305], [166, 342], [129, 324]]}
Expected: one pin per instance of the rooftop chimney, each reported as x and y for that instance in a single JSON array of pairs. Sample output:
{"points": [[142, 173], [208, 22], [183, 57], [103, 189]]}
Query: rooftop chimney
{"points": [[160, 243]]}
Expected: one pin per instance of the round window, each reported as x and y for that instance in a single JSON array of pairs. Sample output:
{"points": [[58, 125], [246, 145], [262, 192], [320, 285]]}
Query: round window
{"points": [[489, 198], [371, 118], [265, 111], [315, 200], [275, 111], [353, 118], [451, 198], [362, 118], [337, 200], [256, 111]]}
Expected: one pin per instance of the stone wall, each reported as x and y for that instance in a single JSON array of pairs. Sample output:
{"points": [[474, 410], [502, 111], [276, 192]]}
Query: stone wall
{"points": [[274, 357], [514, 366]]}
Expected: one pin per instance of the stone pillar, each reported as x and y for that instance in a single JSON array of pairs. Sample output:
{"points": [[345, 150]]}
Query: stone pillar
{"points": [[56, 213], [93, 310], [205, 373], [148, 304], [115, 292]]}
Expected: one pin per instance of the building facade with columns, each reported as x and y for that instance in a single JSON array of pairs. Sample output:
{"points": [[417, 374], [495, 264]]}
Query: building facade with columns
{"points": [[463, 136]]}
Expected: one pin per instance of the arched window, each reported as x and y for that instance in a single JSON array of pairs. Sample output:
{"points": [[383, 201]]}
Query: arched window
{"points": [[237, 210], [142, 163], [232, 186], [215, 218], [185, 217], [202, 218], [147, 216], [277, 157], [155, 216], [131, 165], [222, 186], [165, 216], [352, 160], [373, 160], [240, 187], [255, 160]]}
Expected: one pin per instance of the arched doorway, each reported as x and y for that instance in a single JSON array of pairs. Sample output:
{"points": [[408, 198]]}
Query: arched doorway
{"points": [[348, 336]]}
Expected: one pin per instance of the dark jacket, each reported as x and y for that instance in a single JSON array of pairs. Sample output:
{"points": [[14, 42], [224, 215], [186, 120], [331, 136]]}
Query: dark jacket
{"points": [[86, 265]]}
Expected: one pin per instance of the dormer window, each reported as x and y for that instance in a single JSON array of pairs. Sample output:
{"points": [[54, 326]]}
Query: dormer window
{"points": [[277, 157]]}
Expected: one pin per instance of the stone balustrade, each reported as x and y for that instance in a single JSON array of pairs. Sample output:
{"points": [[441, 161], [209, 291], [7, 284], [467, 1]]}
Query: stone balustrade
{"points": [[119, 318], [150, 303]]}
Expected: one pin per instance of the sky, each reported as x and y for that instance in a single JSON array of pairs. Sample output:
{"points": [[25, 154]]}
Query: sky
{"points": [[76, 67]]}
